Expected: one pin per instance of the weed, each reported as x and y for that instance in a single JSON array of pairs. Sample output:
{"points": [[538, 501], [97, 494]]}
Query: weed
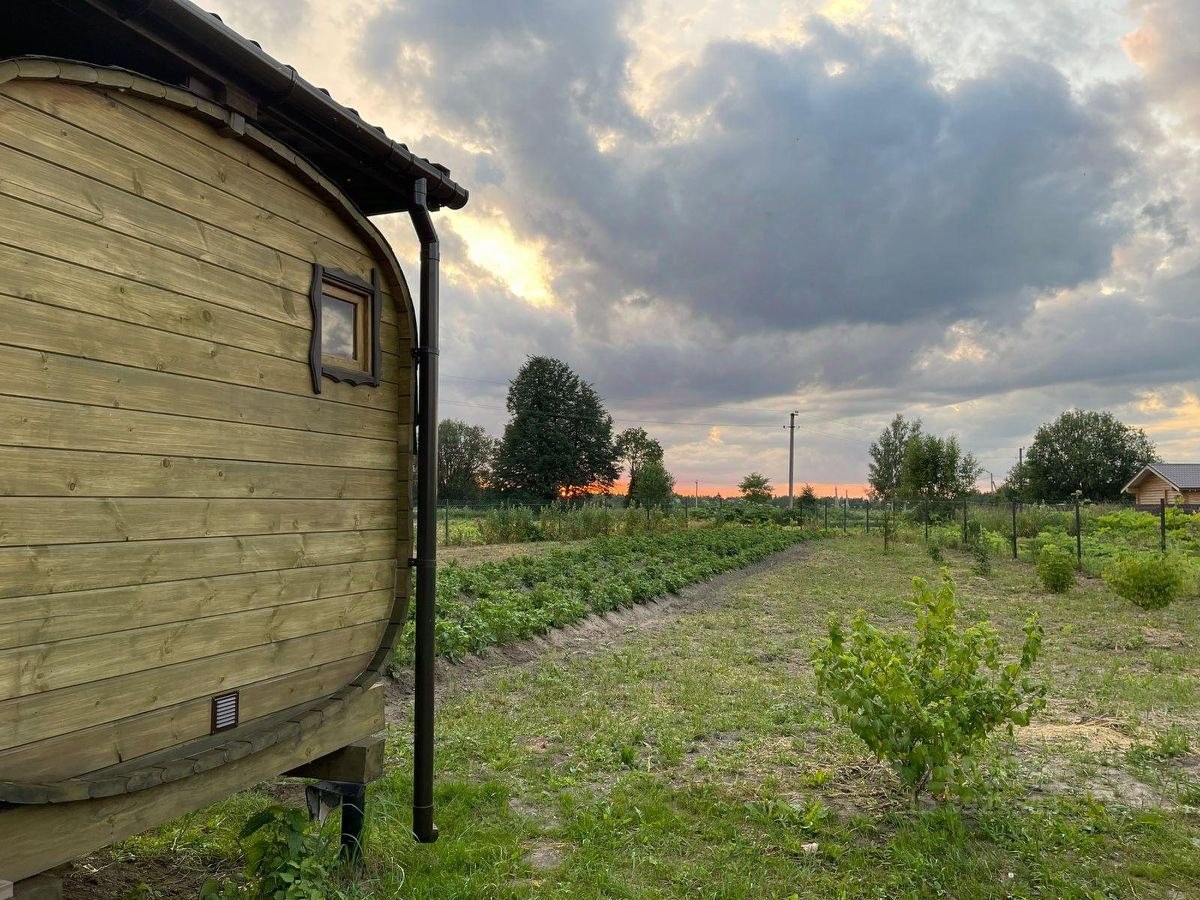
{"points": [[816, 778], [1170, 744], [287, 858], [806, 817]]}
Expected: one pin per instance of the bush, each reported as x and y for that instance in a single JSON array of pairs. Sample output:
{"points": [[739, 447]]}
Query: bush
{"points": [[982, 551], [1056, 569], [935, 551], [1149, 580], [926, 705]]}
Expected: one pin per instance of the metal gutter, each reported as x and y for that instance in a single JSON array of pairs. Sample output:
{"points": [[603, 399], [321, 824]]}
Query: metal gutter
{"points": [[427, 483], [206, 43]]}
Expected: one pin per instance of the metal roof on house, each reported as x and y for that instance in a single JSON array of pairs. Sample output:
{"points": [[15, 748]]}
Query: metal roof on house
{"points": [[1181, 476], [177, 42]]}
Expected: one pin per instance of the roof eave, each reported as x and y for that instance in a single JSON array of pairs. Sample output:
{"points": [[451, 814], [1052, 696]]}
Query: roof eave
{"points": [[206, 42]]}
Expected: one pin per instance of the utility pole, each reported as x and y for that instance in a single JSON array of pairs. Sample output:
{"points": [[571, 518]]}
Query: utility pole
{"points": [[1020, 471], [791, 461]]}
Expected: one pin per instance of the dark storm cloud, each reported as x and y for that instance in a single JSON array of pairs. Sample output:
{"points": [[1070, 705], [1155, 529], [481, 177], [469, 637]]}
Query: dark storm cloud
{"points": [[767, 192], [808, 220]]}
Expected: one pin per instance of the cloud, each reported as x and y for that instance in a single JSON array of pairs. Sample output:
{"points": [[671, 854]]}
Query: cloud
{"points": [[1167, 47], [270, 20], [977, 212], [765, 193]]}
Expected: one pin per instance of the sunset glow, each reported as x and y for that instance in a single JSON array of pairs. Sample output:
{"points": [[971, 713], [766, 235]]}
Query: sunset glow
{"points": [[719, 213]]}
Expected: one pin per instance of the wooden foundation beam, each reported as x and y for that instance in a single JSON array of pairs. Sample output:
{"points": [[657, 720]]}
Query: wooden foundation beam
{"points": [[357, 763]]}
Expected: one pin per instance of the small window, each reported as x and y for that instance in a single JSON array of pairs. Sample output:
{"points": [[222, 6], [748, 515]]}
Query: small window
{"points": [[345, 338]]}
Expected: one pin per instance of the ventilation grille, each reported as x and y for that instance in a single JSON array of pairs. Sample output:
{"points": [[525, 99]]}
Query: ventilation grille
{"points": [[224, 711]]}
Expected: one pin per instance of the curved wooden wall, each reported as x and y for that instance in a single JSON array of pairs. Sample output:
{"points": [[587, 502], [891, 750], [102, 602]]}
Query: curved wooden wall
{"points": [[179, 514]]}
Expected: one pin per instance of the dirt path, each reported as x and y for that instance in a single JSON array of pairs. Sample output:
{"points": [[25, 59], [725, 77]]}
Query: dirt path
{"points": [[598, 633]]}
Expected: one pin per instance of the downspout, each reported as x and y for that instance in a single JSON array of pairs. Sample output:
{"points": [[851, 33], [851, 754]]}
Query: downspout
{"points": [[426, 354]]}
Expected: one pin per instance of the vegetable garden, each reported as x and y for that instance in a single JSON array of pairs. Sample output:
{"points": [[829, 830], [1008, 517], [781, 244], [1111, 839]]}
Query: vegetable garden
{"points": [[987, 738]]}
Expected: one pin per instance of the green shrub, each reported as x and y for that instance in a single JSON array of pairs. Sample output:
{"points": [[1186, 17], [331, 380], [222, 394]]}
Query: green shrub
{"points": [[1056, 569], [1149, 580], [288, 857], [935, 551], [926, 704], [982, 551]]}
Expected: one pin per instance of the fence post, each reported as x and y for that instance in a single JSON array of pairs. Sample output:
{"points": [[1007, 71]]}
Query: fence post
{"points": [[1162, 524], [446, 518], [927, 521], [1078, 537], [885, 528], [964, 521], [826, 512], [1014, 529], [868, 517], [845, 513]]}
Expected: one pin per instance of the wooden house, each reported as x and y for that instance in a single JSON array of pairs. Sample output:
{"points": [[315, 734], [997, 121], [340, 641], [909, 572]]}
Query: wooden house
{"points": [[211, 360], [1176, 483]]}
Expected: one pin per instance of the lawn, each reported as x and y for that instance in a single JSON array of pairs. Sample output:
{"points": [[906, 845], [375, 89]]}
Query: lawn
{"points": [[692, 759]]}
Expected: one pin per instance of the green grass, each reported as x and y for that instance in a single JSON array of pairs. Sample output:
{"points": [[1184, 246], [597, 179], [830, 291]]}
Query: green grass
{"points": [[692, 760]]}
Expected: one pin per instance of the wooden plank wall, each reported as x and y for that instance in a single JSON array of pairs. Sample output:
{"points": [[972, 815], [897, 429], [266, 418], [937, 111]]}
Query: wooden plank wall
{"points": [[1154, 488], [179, 514]]}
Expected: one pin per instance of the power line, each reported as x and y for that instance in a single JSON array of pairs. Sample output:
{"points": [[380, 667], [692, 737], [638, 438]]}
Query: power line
{"points": [[560, 414], [859, 431]]}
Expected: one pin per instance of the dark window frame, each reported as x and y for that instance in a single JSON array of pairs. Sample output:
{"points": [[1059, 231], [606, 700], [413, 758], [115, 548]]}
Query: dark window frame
{"points": [[321, 368]]}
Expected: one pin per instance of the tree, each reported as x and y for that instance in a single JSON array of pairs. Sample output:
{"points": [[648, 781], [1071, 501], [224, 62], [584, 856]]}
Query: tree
{"points": [[808, 497], [635, 447], [637, 450], [887, 456], [936, 468], [1093, 452], [558, 443], [651, 484], [464, 457], [756, 489]]}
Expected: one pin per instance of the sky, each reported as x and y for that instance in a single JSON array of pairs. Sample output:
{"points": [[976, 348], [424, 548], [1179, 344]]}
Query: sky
{"points": [[975, 213]]}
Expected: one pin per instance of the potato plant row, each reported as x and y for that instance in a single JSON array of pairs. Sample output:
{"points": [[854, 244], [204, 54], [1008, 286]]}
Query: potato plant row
{"points": [[494, 603]]}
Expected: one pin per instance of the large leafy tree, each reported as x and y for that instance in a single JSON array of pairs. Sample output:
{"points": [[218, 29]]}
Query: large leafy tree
{"points": [[1092, 452], [464, 458], [936, 468], [558, 443], [756, 488], [887, 456], [648, 477]]}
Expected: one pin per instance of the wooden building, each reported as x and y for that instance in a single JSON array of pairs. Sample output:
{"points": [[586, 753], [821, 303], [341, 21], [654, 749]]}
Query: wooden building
{"points": [[210, 367], [1176, 483]]}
